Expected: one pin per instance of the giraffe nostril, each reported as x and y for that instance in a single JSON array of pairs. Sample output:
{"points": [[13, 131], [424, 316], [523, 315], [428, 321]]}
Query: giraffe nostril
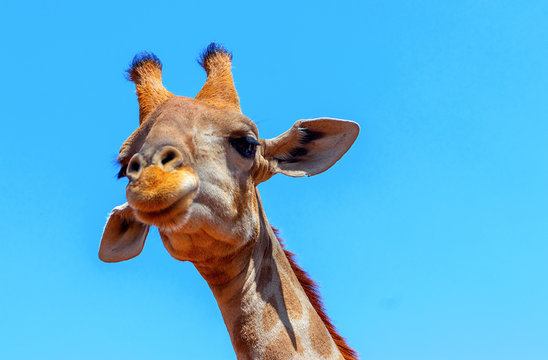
{"points": [[134, 167], [168, 157]]}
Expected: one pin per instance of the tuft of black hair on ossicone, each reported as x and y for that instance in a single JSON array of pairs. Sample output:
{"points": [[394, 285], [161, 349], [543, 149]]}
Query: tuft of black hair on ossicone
{"points": [[139, 60], [211, 51]]}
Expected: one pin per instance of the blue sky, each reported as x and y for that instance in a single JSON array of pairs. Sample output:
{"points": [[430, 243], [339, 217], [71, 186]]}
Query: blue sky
{"points": [[428, 238]]}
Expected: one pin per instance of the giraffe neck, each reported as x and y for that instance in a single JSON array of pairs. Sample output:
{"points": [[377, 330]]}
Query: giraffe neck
{"points": [[266, 310]]}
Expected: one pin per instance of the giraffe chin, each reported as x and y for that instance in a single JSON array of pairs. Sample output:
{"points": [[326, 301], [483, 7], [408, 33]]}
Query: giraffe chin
{"points": [[169, 218]]}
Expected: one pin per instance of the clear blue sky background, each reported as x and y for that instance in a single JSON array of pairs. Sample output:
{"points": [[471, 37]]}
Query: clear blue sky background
{"points": [[429, 238]]}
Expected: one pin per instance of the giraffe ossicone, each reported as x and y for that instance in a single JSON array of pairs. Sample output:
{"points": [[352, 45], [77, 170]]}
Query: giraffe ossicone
{"points": [[193, 166]]}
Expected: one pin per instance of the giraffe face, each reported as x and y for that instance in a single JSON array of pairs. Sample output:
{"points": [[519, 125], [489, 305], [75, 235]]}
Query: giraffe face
{"points": [[190, 165], [193, 164]]}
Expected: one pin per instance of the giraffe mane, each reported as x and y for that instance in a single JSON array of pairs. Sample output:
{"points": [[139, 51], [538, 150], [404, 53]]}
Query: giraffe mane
{"points": [[312, 292]]}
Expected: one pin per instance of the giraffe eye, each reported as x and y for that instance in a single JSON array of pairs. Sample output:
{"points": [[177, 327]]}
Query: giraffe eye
{"points": [[246, 145]]}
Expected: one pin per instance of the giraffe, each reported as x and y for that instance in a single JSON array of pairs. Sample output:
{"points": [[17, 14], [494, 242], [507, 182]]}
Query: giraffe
{"points": [[193, 166]]}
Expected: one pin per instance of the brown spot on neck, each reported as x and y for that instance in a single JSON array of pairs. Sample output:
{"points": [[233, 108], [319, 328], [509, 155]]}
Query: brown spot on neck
{"points": [[270, 314]]}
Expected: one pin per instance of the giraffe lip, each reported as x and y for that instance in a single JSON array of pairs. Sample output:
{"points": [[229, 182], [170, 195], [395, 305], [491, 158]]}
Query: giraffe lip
{"points": [[169, 214], [161, 212]]}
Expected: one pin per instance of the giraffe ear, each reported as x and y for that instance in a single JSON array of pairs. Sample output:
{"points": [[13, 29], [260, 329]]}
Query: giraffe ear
{"points": [[123, 236], [310, 146]]}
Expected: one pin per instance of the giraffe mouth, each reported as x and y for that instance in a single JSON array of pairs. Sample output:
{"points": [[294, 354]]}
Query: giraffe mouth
{"points": [[172, 215], [163, 198]]}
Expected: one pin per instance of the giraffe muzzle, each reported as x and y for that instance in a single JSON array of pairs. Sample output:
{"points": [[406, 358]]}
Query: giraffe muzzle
{"points": [[160, 186]]}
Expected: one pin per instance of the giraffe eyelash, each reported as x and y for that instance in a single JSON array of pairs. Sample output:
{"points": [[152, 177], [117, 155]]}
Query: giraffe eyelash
{"points": [[122, 172]]}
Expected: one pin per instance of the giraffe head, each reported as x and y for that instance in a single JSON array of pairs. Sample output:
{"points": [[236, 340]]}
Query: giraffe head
{"points": [[193, 164]]}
